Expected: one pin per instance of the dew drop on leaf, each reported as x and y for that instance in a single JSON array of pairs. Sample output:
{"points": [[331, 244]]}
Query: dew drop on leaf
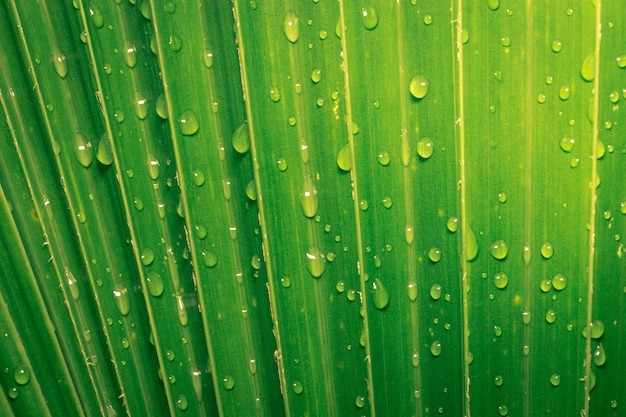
{"points": [[564, 92], [588, 69], [434, 254], [471, 245], [316, 75], [241, 139], [229, 382], [425, 148], [435, 291], [419, 87], [59, 61], [21, 375], [411, 290], [121, 299], [383, 158], [498, 380], [501, 280], [499, 249], [188, 122], [274, 94], [555, 380], [130, 55], [435, 348], [297, 387], [72, 284], [181, 402], [154, 283], [559, 282], [452, 224], [316, 262], [83, 150], [493, 4], [409, 235], [599, 355], [380, 296], [370, 17], [503, 410], [141, 106], [291, 27], [551, 316], [344, 158], [547, 250], [308, 197], [147, 256]]}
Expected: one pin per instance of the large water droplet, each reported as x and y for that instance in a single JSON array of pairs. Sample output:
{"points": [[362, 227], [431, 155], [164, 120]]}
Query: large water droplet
{"points": [[130, 55], [153, 167], [425, 148], [435, 291], [564, 92], [380, 296], [141, 106], [411, 290], [121, 298], [291, 27], [551, 316], [229, 382], [316, 262], [154, 283], [60, 62], [83, 150], [526, 315], [241, 139], [547, 250], [344, 158], [21, 375], [308, 197], [599, 355], [588, 69], [501, 280], [471, 245], [597, 329], [104, 152], [370, 17], [183, 318], [147, 256], [409, 235], [96, 16], [297, 387], [435, 348], [72, 284], [493, 4], [559, 282], [499, 249], [188, 122], [555, 380], [419, 87]]}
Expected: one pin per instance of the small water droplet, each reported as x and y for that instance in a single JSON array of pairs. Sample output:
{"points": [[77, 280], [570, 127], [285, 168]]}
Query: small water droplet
{"points": [[183, 318], [359, 401], [281, 163], [498, 380], [499, 249], [465, 36], [409, 234], [493, 4], [251, 190], [316, 75], [411, 290], [557, 45], [21, 375], [154, 283], [198, 177], [60, 62], [567, 144], [614, 404], [104, 152], [597, 329], [241, 139], [555, 380], [316, 262], [170, 355], [130, 55], [208, 59], [428, 20], [419, 87], [547, 250], [291, 27], [83, 150], [188, 122], [384, 158], [380, 296], [147, 256], [425, 148], [297, 387], [370, 17], [551, 316], [503, 410], [228, 382], [344, 158], [559, 282], [435, 291], [564, 92], [72, 284], [588, 69], [141, 106], [471, 245], [175, 43], [209, 258], [435, 348], [308, 197], [526, 315], [452, 224], [181, 402], [434, 254], [122, 299], [153, 167], [599, 355], [545, 285], [501, 280]]}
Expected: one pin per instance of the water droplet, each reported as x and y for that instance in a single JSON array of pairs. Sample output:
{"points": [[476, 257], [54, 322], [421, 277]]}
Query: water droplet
{"points": [[551, 316], [153, 167], [465, 36], [141, 106], [434, 254], [471, 245], [297, 387], [613, 404], [72, 284], [425, 148], [198, 177], [499, 249], [229, 382], [360, 401], [370, 17], [547, 250], [498, 380], [597, 329], [21, 375], [13, 393], [138, 204], [497, 331], [316, 262], [428, 20], [316, 75], [501, 280], [104, 152], [411, 290], [545, 285], [281, 163], [384, 158], [599, 356], [435, 348], [170, 355], [363, 205], [291, 27], [555, 380], [121, 298], [503, 410], [527, 254], [181, 402], [344, 158], [340, 286], [380, 296], [557, 45], [154, 283], [201, 231], [452, 224], [435, 291], [188, 122], [564, 92], [419, 87], [208, 59], [308, 197], [175, 43], [251, 190], [409, 234], [526, 315], [130, 55], [147, 256], [493, 4], [559, 282], [169, 7], [83, 150], [183, 319], [285, 282], [387, 203], [241, 139], [588, 69], [541, 98], [60, 62]]}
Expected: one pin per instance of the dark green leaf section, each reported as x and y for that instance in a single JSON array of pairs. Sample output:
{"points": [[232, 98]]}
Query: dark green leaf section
{"points": [[203, 102], [294, 87], [404, 142]]}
